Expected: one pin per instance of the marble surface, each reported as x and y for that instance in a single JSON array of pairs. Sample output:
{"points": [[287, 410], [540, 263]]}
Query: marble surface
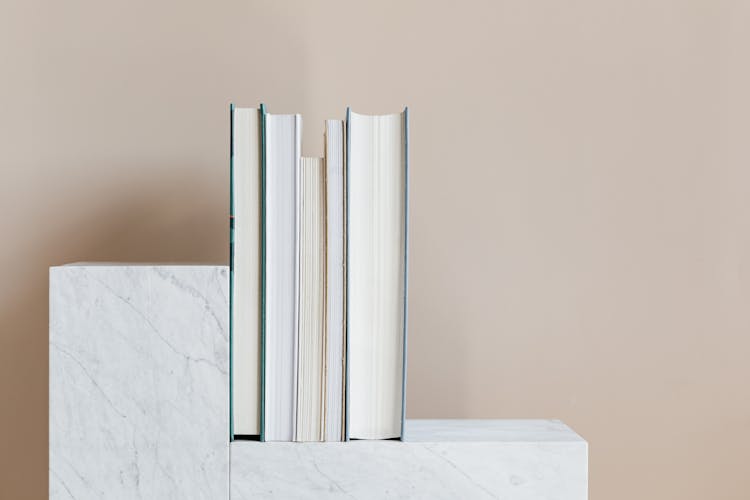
{"points": [[138, 373], [440, 459], [482, 430], [139, 409]]}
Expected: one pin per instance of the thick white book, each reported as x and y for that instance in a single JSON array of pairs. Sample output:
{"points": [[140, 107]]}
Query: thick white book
{"points": [[377, 179], [282, 153], [245, 166], [335, 347], [312, 301]]}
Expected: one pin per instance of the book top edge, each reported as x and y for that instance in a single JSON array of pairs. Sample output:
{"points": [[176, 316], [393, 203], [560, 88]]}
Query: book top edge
{"points": [[387, 115]]}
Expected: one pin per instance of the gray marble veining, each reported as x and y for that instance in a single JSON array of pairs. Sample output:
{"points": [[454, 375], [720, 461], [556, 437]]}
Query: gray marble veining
{"points": [[138, 373], [440, 459], [139, 409]]}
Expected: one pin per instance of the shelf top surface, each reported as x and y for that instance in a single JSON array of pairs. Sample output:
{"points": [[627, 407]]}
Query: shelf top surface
{"points": [[467, 431], [486, 430]]}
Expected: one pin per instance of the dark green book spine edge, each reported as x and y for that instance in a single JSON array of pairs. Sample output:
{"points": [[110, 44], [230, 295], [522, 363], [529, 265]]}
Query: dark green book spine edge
{"points": [[262, 272], [231, 268], [346, 288], [406, 266], [346, 361]]}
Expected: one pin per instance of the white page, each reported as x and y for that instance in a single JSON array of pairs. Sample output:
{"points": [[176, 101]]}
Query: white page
{"points": [[376, 274], [283, 145], [334, 164], [311, 343]]}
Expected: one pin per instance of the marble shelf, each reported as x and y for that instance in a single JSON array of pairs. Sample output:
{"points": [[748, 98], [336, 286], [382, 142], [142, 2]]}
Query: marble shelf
{"points": [[138, 382], [138, 408], [439, 459]]}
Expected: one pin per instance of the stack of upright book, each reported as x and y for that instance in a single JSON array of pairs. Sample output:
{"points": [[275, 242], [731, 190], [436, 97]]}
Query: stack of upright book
{"points": [[318, 286]]}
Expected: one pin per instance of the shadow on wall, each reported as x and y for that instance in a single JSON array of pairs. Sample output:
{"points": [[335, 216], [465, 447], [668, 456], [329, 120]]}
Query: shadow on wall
{"points": [[173, 214], [161, 223], [166, 99]]}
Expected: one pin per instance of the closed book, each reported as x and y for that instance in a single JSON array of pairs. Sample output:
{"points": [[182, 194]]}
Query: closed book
{"points": [[281, 157], [245, 289], [376, 273], [312, 301], [335, 281]]}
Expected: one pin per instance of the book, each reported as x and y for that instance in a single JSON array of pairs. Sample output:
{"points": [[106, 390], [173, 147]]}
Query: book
{"points": [[376, 270], [335, 284], [281, 157], [318, 278], [245, 166], [312, 301]]}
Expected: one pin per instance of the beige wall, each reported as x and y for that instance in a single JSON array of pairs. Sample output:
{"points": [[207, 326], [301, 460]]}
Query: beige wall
{"points": [[580, 199]]}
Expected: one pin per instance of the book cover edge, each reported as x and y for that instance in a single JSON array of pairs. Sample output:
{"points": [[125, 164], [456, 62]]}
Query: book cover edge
{"points": [[346, 270], [231, 269], [262, 111], [406, 268]]}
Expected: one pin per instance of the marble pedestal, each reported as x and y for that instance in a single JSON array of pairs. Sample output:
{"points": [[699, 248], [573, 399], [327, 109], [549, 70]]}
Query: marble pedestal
{"points": [[138, 402], [440, 459], [139, 384]]}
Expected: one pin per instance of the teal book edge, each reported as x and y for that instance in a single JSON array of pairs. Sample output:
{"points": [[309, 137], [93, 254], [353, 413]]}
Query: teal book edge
{"points": [[346, 270], [231, 268], [262, 272], [406, 273], [406, 265]]}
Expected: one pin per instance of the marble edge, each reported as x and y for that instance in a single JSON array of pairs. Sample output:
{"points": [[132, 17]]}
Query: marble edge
{"points": [[138, 265], [574, 434], [491, 431], [466, 431]]}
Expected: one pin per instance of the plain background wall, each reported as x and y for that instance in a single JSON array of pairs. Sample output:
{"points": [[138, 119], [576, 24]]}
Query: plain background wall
{"points": [[580, 205]]}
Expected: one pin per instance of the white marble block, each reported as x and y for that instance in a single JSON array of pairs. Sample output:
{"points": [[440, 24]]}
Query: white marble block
{"points": [[440, 459], [138, 382], [139, 389]]}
